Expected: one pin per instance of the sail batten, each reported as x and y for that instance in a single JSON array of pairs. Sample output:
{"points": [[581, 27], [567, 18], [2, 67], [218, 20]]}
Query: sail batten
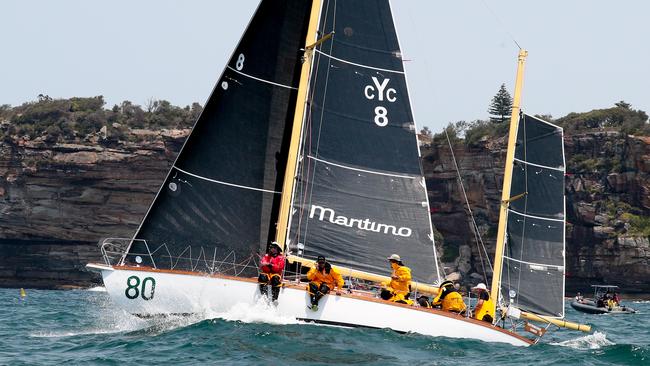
{"points": [[358, 64]]}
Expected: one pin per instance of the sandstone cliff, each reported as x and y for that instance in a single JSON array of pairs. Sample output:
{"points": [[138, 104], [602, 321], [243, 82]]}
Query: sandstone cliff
{"points": [[58, 200]]}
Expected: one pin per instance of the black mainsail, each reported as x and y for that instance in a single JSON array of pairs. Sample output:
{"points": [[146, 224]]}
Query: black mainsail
{"points": [[360, 194], [533, 261], [219, 203]]}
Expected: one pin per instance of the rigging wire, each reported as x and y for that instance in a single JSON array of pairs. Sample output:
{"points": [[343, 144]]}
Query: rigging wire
{"points": [[309, 187], [505, 29], [477, 237]]}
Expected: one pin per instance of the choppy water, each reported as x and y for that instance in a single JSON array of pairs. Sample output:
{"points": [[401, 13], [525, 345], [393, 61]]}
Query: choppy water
{"points": [[83, 327]]}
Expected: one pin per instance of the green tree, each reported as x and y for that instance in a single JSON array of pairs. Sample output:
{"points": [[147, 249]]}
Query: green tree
{"points": [[501, 105], [623, 104]]}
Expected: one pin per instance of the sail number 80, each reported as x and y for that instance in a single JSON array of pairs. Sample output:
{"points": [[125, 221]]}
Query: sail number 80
{"points": [[135, 288]]}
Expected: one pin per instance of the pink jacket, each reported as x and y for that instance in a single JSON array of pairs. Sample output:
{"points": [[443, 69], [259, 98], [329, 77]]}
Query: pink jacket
{"points": [[271, 264]]}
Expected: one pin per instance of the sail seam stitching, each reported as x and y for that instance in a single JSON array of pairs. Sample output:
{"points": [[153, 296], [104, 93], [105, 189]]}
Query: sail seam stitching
{"points": [[224, 183], [533, 263], [356, 64], [262, 80], [539, 165], [535, 217], [361, 170]]}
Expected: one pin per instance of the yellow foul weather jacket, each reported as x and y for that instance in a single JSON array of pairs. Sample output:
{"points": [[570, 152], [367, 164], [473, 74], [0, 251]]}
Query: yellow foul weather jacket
{"points": [[402, 283], [452, 302], [331, 280]]}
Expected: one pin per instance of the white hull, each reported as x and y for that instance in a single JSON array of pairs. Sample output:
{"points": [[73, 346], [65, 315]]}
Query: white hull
{"points": [[184, 293]]}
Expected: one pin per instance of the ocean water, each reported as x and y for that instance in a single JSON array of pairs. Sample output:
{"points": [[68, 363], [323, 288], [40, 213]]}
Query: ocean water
{"points": [[84, 327]]}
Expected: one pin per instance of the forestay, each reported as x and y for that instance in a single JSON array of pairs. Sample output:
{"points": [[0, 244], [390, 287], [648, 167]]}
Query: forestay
{"points": [[360, 194], [534, 262], [218, 206]]}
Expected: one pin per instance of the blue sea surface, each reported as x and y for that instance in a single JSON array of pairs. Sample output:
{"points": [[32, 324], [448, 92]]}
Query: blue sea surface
{"points": [[84, 327]]}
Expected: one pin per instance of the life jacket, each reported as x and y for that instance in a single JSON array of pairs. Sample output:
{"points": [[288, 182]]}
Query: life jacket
{"points": [[332, 279], [272, 265], [487, 308]]}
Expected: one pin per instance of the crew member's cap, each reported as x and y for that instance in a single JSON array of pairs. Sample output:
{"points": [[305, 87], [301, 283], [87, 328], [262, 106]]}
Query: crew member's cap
{"points": [[275, 244], [394, 257], [480, 286], [320, 258]]}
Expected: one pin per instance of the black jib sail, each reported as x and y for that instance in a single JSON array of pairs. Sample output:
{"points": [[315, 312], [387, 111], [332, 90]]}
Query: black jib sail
{"points": [[218, 205], [533, 262], [360, 194]]}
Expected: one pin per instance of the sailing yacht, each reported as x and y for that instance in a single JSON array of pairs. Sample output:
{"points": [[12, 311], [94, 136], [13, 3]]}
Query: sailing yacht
{"points": [[308, 139]]}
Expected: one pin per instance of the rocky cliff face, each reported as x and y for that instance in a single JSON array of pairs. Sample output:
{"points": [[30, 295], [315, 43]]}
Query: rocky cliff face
{"points": [[608, 194], [58, 200]]}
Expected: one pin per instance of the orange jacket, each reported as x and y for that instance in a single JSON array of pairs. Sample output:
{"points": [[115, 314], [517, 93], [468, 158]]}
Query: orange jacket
{"points": [[331, 280]]}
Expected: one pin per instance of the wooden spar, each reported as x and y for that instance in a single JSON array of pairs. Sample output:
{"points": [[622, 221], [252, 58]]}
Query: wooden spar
{"points": [[507, 177], [559, 322], [349, 272], [292, 159]]}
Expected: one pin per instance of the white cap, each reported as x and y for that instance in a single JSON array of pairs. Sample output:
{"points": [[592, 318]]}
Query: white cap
{"points": [[394, 257], [480, 286]]}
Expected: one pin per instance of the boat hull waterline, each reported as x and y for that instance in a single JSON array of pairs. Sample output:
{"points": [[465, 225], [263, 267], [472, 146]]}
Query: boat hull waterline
{"points": [[149, 292]]}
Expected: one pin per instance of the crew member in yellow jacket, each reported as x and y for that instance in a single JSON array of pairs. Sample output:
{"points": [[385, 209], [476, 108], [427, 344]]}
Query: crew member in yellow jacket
{"points": [[399, 287], [484, 309], [323, 279], [449, 299]]}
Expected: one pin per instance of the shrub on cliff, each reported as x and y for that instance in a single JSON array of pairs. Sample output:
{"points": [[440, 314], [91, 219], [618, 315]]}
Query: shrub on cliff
{"points": [[87, 104], [43, 112], [79, 118], [621, 117]]}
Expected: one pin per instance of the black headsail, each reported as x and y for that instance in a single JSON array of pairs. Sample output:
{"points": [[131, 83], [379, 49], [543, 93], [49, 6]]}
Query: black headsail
{"points": [[219, 203], [533, 262], [360, 194]]}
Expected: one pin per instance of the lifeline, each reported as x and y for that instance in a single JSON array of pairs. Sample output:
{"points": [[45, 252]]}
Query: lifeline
{"points": [[361, 224]]}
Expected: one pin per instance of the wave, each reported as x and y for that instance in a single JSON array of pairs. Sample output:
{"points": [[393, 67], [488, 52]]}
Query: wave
{"points": [[108, 322], [641, 302], [260, 312], [591, 341], [97, 289], [113, 321]]}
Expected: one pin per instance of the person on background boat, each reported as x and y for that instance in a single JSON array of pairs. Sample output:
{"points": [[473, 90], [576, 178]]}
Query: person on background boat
{"points": [[617, 300], [484, 309], [271, 266], [323, 279], [449, 299], [399, 287], [579, 297]]}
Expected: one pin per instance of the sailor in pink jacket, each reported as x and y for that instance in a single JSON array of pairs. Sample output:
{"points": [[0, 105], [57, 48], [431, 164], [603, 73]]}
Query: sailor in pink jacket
{"points": [[271, 266]]}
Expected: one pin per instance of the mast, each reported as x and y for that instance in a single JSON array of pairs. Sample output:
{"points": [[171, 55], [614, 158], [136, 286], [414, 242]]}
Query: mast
{"points": [[301, 101], [507, 178]]}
